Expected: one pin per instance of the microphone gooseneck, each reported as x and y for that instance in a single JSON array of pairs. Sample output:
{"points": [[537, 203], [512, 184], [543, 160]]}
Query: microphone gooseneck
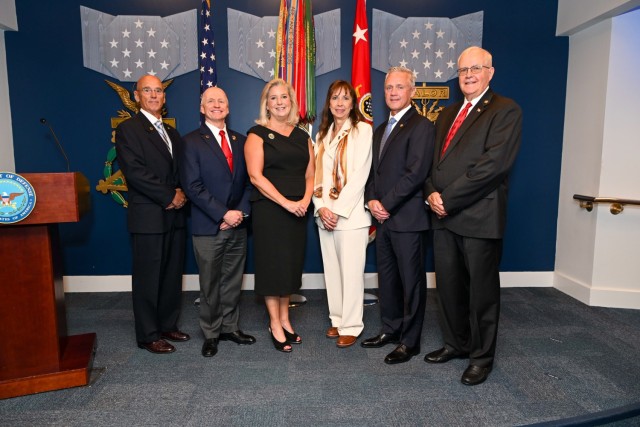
{"points": [[55, 138]]}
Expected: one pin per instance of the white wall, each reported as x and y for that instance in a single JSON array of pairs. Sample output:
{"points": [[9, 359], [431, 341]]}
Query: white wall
{"points": [[577, 15], [597, 257], [616, 269]]}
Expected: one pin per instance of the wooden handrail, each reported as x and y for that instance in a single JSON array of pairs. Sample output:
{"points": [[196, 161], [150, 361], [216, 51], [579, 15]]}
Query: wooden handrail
{"points": [[617, 205]]}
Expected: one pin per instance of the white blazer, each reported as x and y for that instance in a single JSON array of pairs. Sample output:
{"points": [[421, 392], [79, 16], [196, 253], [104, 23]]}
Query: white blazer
{"points": [[349, 206]]}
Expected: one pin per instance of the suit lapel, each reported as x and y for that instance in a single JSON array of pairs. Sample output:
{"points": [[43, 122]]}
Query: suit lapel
{"points": [[212, 144], [154, 136], [397, 130], [472, 116], [236, 151]]}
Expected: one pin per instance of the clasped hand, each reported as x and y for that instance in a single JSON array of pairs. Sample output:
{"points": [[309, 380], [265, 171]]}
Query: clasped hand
{"points": [[436, 204], [298, 208], [179, 200], [231, 219], [329, 219], [378, 211]]}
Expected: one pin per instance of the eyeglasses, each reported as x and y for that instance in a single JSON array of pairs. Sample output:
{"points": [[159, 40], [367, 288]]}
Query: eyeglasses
{"points": [[148, 90], [474, 69]]}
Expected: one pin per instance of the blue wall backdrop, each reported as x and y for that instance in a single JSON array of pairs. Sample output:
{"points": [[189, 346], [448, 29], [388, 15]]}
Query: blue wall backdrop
{"points": [[47, 79]]}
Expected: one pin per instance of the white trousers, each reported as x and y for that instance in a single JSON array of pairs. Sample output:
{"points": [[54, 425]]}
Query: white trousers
{"points": [[343, 256]]}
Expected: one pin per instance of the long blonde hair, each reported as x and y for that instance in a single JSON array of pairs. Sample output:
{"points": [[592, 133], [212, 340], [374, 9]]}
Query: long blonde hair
{"points": [[293, 117]]}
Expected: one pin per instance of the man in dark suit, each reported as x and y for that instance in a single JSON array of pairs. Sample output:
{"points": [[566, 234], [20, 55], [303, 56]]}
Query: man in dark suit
{"points": [[402, 156], [467, 192], [148, 154], [215, 179]]}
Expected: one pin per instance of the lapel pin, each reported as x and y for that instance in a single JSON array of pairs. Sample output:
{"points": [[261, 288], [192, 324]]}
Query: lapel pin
{"points": [[206, 137], [401, 125], [233, 137], [478, 109], [486, 101], [271, 136]]}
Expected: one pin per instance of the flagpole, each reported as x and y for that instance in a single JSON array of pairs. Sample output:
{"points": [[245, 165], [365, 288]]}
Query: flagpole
{"points": [[361, 82]]}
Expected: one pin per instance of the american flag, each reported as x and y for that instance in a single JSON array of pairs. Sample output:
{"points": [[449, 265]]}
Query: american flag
{"points": [[208, 70]]}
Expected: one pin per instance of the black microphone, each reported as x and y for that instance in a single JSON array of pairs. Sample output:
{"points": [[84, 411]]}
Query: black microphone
{"points": [[44, 122]]}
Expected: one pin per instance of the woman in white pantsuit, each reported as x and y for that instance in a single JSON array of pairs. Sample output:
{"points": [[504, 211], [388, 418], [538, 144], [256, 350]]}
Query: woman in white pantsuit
{"points": [[343, 161]]}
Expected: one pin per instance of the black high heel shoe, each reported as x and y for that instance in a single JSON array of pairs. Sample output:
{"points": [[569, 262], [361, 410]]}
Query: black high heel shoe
{"points": [[280, 346], [292, 337]]}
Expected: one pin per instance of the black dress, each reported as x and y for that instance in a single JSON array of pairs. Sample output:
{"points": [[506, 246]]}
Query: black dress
{"points": [[279, 236]]}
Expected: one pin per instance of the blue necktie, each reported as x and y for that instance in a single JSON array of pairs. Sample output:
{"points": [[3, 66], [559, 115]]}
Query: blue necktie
{"points": [[387, 131]]}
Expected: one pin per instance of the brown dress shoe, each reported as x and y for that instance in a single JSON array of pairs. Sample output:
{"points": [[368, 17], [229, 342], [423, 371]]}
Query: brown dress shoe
{"points": [[332, 332], [175, 336], [345, 341], [157, 347]]}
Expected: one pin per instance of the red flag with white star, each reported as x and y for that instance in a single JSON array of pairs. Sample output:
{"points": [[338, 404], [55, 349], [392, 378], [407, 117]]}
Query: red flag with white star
{"points": [[360, 65]]}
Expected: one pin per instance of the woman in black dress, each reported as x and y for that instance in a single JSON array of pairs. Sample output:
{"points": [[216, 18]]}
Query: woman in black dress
{"points": [[280, 163]]}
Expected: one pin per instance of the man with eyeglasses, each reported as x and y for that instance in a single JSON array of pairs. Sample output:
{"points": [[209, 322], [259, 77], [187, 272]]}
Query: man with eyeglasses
{"points": [[477, 141], [148, 154]]}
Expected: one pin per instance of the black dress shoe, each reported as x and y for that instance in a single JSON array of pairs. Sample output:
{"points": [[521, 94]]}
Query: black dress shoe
{"points": [[443, 355], [237, 337], [475, 375], [380, 340], [157, 347], [210, 347], [175, 336], [401, 354]]}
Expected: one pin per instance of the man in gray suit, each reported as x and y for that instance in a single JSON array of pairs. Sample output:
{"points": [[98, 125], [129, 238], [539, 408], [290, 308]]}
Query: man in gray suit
{"points": [[476, 144], [215, 179]]}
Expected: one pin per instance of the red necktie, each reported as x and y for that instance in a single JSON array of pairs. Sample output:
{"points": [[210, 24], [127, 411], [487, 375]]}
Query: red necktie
{"points": [[454, 128], [224, 144]]}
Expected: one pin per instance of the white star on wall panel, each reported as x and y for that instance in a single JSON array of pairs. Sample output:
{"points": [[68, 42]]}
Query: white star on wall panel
{"points": [[252, 43], [428, 46], [127, 47]]}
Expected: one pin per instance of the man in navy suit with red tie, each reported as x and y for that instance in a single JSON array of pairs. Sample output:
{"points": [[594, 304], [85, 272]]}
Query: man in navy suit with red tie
{"points": [[477, 141], [214, 175], [149, 153]]}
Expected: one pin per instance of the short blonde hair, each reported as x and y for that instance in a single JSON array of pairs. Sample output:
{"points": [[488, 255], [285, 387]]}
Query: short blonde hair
{"points": [[293, 118]]}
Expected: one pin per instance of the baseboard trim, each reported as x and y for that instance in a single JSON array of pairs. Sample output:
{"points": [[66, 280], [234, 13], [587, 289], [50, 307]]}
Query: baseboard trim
{"points": [[596, 296], [309, 281]]}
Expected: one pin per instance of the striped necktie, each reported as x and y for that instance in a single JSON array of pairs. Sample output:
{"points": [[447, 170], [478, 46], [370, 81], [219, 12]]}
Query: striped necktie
{"points": [[164, 136]]}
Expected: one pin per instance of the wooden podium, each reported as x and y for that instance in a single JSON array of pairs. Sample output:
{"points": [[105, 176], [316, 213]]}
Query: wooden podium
{"points": [[36, 354]]}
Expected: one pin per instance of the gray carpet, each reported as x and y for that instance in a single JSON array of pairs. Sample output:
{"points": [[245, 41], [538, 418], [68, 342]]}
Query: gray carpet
{"points": [[557, 358]]}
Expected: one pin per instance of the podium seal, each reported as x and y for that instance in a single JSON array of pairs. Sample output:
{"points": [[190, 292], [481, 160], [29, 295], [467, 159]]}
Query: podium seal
{"points": [[17, 198]]}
